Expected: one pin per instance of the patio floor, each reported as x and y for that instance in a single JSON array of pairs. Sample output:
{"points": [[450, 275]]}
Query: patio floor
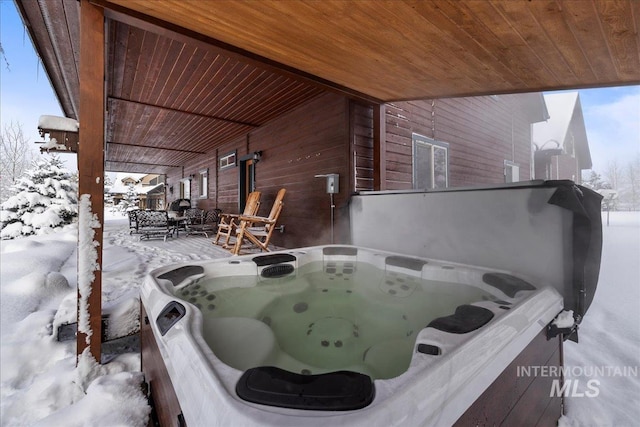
{"points": [[195, 246]]}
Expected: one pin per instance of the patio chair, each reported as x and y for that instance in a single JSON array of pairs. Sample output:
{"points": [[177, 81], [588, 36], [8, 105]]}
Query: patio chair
{"points": [[207, 223], [189, 216], [257, 230], [154, 224], [228, 222], [133, 222]]}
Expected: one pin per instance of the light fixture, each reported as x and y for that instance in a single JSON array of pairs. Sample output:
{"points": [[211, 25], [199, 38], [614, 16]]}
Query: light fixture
{"points": [[257, 155]]}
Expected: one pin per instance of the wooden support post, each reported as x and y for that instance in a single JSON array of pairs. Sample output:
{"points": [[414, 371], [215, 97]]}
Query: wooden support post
{"points": [[379, 148], [91, 172]]}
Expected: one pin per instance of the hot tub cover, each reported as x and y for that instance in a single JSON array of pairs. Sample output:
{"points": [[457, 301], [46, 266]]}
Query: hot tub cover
{"points": [[550, 231]]}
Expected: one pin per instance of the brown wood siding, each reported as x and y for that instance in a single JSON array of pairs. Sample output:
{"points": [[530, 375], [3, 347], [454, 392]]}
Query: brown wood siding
{"points": [[223, 184], [513, 400], [331, 134], [226, 184], [482, 133], [565, 166], [163, 398], [311, 140], [362, 145]]}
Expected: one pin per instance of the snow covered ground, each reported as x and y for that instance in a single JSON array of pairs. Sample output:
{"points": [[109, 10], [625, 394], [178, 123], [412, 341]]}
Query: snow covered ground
{"points": [[41, 385], [610, 334]]}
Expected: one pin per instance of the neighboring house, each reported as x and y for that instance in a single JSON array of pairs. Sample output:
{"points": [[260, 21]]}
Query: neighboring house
{"points": [[561, 147], [148, 187], [459, 142]]}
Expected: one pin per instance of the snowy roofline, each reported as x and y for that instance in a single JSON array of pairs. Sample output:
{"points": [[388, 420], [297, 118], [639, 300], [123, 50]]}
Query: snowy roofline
{"points": [[561, 108], [124, 175], [58, 123], [119, 189]]}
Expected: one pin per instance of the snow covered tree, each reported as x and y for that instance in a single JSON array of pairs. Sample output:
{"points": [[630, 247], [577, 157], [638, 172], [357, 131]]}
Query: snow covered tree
{"points": [[108, 196], [15, 156], [44, 199], [613, 174], [595, 182], [130, 200], [633, 183]]}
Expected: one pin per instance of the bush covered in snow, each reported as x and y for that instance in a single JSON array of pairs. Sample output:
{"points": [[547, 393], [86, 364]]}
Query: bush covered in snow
{"points": [[43, 200]]}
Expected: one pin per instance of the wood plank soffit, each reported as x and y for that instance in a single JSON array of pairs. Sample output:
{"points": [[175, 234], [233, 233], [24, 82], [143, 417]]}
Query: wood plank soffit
{"points": [[157, 26]]}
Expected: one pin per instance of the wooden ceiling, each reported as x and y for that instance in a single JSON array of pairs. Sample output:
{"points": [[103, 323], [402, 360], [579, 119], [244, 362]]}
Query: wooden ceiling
{"points": [[170, 101], [170, 98], [413, 49], [184, 77]]}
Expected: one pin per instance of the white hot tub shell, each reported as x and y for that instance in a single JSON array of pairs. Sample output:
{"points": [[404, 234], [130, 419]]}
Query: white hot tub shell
{"points": [[454, 367], [222, 367]]}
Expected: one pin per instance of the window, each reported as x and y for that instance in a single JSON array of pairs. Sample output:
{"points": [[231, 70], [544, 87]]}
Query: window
{"points": [[569, 145], [156, 180], [185, 188], [203, 184], [228, 160], [430, 163], [511, 172]]}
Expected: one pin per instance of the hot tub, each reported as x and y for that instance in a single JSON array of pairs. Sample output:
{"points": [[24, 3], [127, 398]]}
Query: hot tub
{"points": [[338, 335]]}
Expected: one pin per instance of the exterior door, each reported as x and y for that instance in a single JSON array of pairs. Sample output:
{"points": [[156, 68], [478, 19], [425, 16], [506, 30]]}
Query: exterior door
{"points": [[247, 181]]}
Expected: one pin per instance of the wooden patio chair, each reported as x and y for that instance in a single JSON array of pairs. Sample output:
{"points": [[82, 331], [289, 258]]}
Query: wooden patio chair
{"points": [[256, 229], [228, 222]]}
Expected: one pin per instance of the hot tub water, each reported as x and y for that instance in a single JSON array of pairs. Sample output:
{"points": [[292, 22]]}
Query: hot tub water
{"points": [[323, 317]]}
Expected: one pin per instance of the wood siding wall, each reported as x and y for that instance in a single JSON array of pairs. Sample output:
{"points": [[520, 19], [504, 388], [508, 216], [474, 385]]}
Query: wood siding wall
{"points": [[311, 140], [362, 145], [513, 400], [481, 132], [165, 405], [565, 166], [332, 134]]}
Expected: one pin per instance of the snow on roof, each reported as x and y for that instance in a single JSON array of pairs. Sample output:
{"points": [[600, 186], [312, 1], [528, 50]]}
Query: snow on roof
{"points": [[150, 188], [120, 187], [121, 176], [58, 123], [561, 107], [534, 106]]}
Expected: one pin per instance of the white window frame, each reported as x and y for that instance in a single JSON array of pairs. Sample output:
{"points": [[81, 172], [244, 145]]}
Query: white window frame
{"points": [[203, 184], [511, 171], [228, 160], [434, 147], [185, 188]]}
